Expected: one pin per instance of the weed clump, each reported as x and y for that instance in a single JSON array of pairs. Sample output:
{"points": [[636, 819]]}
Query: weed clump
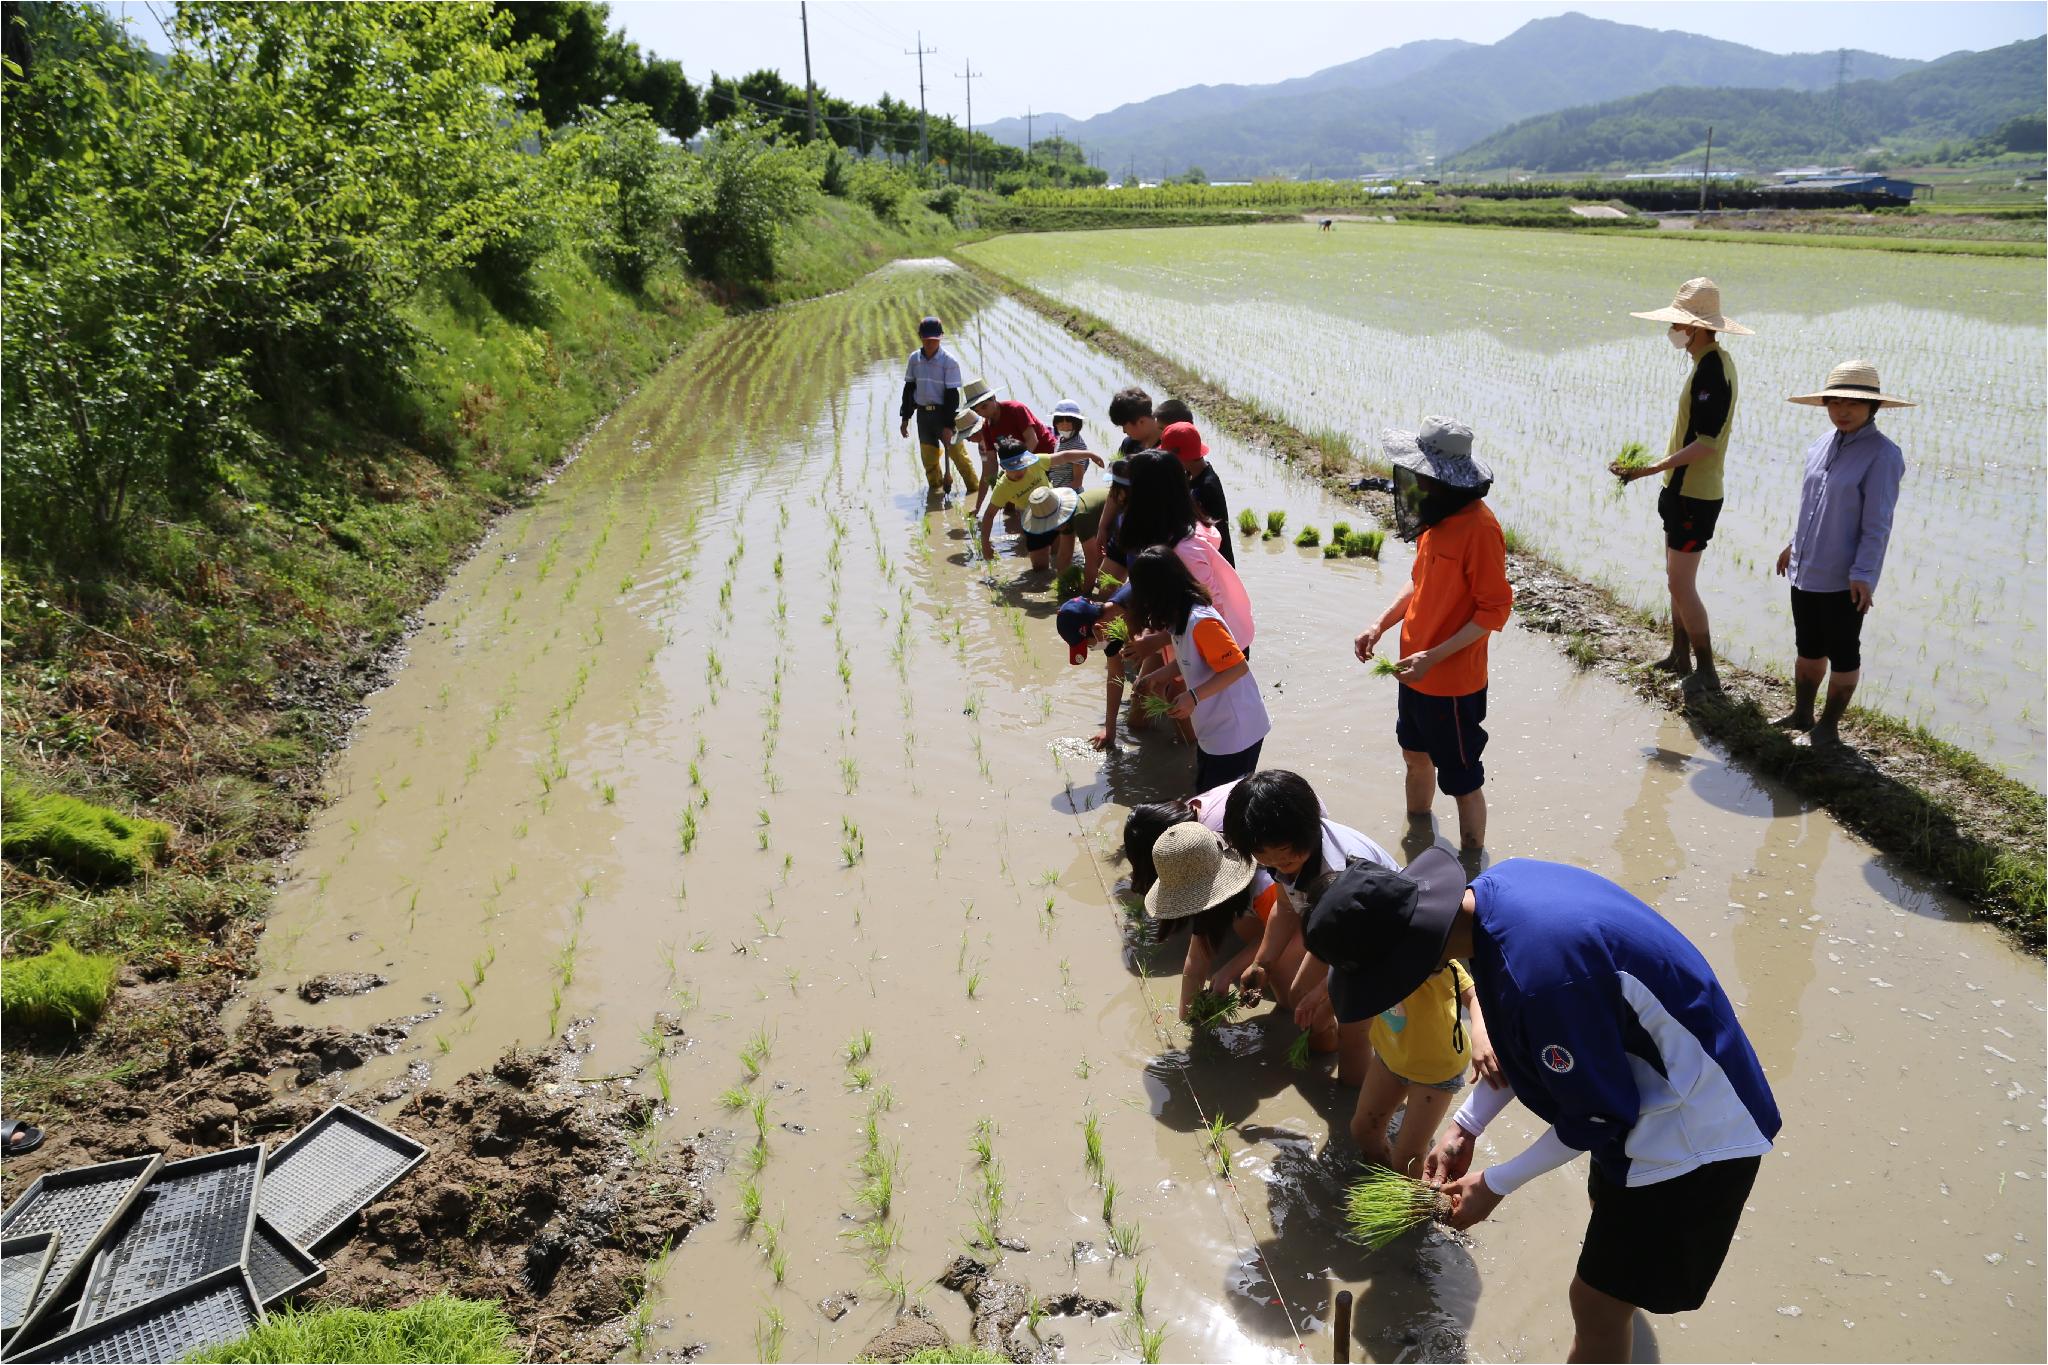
{"points": [[1309, 538], [62, 990], [85, 842], [1384, 1204]]}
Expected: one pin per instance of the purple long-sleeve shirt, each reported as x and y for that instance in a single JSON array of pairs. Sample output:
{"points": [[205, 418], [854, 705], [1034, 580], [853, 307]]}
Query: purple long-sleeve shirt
{"points": [[1845, 510]]}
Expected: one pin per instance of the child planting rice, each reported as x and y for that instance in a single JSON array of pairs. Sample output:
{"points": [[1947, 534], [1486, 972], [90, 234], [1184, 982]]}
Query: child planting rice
{"points": [[1222, 696]]}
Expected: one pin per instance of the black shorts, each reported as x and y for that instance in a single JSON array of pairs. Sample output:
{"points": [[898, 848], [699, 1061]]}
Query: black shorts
{"points": [[1660, 1246], [1042, 540], [1688, 522], [1826, 625], [931, 423], [1448, 729], [1213, 770]]}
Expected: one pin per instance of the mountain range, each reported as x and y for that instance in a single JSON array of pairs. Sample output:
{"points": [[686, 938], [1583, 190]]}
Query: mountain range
{"points": [[1439, 97]]}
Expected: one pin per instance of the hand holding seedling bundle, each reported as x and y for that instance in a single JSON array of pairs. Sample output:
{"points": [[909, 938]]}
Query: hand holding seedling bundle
{"points": [[1386, 1204], [1631, 464]]}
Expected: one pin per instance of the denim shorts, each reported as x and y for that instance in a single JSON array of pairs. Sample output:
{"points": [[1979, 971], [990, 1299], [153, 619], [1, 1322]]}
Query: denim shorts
{"points": [[1449, 1087]]}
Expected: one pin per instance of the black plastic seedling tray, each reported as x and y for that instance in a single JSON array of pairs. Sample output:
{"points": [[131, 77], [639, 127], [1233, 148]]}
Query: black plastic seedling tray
{"points": [[333, 1167], [24, 1260], [207, 1312], [278, 1267], [193, 1219], [81, 1205]]}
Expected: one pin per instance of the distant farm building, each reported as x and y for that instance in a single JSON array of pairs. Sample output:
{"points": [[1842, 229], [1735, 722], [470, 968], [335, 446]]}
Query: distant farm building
{"points": [[1873, 186]]}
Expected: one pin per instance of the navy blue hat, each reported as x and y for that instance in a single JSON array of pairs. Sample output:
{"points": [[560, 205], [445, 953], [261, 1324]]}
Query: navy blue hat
{"points": [[930, 327], [1075, 616], [1383, 931]]}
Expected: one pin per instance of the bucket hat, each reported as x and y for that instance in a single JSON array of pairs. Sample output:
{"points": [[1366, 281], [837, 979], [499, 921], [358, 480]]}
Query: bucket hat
{"points": [[965, 423], [1697, 304], [1442, 450], [1382, 931], [931, 327], [978, 390], [1068, 409], [1017, 462], [1195, 871], [1049, 508], [1184, 443], [1853, 379]]}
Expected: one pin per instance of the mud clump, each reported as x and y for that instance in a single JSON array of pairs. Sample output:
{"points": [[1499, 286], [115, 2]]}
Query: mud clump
{"points": [[999, 1305], [528, 1196], [317, 988], [904, 1338]]}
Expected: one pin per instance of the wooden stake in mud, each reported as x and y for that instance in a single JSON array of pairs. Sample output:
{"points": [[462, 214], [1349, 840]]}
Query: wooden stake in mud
{"points": [[1340, 1328]]}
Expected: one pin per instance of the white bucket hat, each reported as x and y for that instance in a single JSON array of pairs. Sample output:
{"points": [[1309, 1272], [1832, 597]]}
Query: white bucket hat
{"points": [[1048, 509], [1442, 450], [1698, 304], [1853, 379], [978, 391], [1195, 872]]}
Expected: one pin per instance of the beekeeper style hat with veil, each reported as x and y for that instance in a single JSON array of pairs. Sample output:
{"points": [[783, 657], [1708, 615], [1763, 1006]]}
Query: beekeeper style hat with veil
{"points": [[1435, 473]]}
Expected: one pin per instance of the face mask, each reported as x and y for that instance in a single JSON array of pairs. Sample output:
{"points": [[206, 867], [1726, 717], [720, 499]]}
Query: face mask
{"points": [[1678, 338]]}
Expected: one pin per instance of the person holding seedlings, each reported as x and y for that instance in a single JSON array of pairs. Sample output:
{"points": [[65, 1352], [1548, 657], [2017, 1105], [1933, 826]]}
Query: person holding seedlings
{"points": [[1186, 445], [1067, 436], [1690, 502], [1838, 544], [931, 392], [1458, 595], [1610, 1026], [1003, 420], [1022, 474], [1222, 697], [1054, 518], [1275, 818]]}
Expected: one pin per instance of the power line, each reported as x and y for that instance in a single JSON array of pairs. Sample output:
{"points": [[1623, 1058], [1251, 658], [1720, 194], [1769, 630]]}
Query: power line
{"points": [[924, 153], [968, 75]]}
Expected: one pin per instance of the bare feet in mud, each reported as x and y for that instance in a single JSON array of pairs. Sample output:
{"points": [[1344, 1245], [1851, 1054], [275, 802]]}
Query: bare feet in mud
{"points": [[1792, 720], [1700, 682], [1675, 663]]}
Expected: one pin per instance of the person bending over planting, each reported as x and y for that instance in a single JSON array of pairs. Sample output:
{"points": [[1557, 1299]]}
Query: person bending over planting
{"points": [[1083, 622], [1003, 419], [1054, 518], [1609, 1026], [1222, 697], [1022, 474], [1690, 503], [1837, 548], [1275, 818], [1457, 596]]}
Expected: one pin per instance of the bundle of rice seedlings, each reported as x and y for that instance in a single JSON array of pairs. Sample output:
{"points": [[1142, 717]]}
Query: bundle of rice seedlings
{"points": [[1366, 543], [1339, 532], [1248, 523], [1070, 582], [1297, 1053], [1155, 705], [1119, 629], [1335, 549], [1276, 524], [1309, 537], [1632, 456], [1385, 1204], [1209, 1009], [1383, 667]]}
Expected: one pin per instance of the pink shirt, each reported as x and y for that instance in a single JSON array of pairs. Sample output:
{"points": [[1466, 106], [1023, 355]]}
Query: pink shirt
{"points": [[1226, 590]]}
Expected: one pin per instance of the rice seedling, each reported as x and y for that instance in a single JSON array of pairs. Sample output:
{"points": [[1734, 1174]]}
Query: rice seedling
{"points": [[686, 830], [768, 1337], [1069, 582], [852, 847], [1208, 1009], [973, 984], [1091, 1140], [1339, 532], [1034, 1313], [1308, 538], [859, 1046], [468, 996], [1110, 1190], [659, 1070], [1154, 705], [1631, 456], [1151, 1343], [609, 792], [1140, 1282], [1383, 667], [1126, 1239], [1297, 1052], [849, 774], [1384, 1204], [877, 1191], [755, 1159], [1335, 549], [735, 1097], [983, 1142], [758, 1107], [1276, 524], [1367, 543], [1219, 1147], [859, 1077], [1247, 523]]}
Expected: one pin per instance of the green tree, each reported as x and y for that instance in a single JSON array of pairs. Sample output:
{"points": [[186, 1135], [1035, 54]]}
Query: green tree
{"points": [[581, 61]]}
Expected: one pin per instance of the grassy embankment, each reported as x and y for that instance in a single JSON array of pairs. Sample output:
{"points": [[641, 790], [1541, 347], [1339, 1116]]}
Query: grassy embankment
{"points": [[204, 680], [1935, 806]]}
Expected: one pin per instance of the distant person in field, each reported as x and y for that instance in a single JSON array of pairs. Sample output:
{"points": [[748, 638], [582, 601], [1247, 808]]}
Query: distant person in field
{"points": [[1690, 502], [1838, 544], [1004, 419], [931, 393], [1132, 410], [1457, 596], [1329, 225]]}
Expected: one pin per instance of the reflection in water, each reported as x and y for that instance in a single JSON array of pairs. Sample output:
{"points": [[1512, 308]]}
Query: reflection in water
{"points": [[1776, 927]]}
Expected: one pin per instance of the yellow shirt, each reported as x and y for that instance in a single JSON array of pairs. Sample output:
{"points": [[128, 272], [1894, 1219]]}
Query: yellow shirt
{"points": [[1705, 411], [1423, 1039], [1005, 491]]}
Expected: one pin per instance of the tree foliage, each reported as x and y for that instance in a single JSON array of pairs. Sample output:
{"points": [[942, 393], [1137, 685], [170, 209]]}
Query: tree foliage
{"points": [[581, 62]]}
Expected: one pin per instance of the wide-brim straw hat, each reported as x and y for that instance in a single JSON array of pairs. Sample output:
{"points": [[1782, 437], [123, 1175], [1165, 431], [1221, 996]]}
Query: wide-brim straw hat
{"points": [[1195, 872], [978, 391], [965, 423], [1853, 379], [1698, 304], [1048, 509], [1442, 450]]}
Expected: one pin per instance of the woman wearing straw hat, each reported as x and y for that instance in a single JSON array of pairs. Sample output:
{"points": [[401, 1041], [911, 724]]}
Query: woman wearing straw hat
{"points": [[1837, 547], [1690, 502]]}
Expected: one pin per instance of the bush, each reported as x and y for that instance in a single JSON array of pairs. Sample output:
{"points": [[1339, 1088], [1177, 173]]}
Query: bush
{"points": [[753, 185], [64, 990], [86, 842], [883, 190], [437, 1329], [644, 190]]}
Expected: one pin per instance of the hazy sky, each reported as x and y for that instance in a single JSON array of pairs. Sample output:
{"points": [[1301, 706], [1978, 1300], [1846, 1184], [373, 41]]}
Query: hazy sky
{"points": [[1081, 57]]}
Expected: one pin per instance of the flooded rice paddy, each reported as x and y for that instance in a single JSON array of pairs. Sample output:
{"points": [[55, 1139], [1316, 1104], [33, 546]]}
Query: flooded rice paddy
{"points": [[727, 726], [1527, 335]]}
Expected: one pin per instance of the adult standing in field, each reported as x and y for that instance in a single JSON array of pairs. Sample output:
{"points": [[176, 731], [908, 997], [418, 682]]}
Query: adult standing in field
{"points": [[1606, 1023], [1457, 595], [1132, 411], [1838, 544], [931, 393], [1003, 419], [1690, 503]]}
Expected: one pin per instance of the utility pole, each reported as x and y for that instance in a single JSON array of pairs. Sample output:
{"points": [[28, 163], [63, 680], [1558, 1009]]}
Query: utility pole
{"points": [[803, 14], [1706, 167], [968, 75], [1027, 132], [924, 153]]}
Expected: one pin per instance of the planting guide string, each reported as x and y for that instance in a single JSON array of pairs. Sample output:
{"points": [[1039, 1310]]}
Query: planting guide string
{"points": [[1152, 1013]]}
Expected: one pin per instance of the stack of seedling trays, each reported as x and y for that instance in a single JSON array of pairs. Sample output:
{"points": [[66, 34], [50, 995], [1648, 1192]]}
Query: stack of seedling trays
{"points": [[143, 1260]]}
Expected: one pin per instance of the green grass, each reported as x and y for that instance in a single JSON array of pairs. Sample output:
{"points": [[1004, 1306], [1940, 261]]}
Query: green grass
{"points": [[60, 990], [437, 1329], [958, 1354], [78, 839]]}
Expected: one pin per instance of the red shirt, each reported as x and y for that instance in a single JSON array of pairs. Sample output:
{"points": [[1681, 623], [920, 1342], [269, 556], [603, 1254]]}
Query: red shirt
{"points": [[1014, 419]]}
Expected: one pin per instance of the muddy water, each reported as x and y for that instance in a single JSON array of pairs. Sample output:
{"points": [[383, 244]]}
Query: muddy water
{"points": [[727, 726]]}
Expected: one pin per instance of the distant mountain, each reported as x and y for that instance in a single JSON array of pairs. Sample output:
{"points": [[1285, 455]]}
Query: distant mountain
{"points": [[1963, 96], [1428, 98]]}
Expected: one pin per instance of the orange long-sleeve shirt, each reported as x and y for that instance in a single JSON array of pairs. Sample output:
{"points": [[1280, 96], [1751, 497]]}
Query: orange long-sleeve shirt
{"points": [[1461, 574]]}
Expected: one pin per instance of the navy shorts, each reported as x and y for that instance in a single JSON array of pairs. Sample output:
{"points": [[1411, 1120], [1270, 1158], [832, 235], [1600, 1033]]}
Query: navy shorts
{"points": [[1448, 729], [1826, 625], [1213, 770], [1688, 522]]}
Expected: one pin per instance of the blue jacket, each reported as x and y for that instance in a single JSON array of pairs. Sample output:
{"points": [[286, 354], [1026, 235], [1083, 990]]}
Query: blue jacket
{"points": [[1611, 1027]]}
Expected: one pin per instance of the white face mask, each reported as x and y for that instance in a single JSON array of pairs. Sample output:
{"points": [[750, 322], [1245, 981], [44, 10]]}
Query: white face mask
{"points": [[1679, 338]]}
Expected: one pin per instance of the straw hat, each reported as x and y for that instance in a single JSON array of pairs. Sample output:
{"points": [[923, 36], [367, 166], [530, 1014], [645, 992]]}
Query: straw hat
{"points": [[977, 391], [1049, 508], [1195, 872], [1442, 450], [1853, 379], [1698, 304], [965, 423]]}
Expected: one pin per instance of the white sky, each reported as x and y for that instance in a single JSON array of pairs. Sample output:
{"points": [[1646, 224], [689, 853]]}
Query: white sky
{"points": [[1082, 57]]}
